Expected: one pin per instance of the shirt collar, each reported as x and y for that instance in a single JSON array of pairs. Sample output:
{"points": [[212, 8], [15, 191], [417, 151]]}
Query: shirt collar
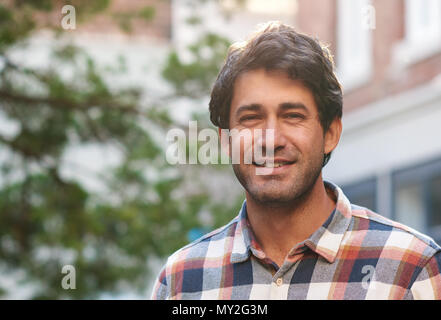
{"points": [[325, 241]]}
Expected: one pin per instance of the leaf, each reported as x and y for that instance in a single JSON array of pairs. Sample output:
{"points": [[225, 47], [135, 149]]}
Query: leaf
{"points": [[147, 13]]}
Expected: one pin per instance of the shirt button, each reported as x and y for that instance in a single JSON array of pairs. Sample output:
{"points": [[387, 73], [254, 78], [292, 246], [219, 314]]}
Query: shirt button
{"points": [[279, 281]]}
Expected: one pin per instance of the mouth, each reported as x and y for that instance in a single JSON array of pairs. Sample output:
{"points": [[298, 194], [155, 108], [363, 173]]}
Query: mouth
{"points": [[273, 164]]}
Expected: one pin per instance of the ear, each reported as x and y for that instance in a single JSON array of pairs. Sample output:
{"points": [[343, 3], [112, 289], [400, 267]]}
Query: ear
{"points": [[332, 135]]}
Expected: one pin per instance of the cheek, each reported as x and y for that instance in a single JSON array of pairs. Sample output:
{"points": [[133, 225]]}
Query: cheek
{"points": [[308, 142], [241, 146]]}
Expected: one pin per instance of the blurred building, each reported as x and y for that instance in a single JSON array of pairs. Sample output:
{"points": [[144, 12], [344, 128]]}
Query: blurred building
{"points": [[388, 57]]}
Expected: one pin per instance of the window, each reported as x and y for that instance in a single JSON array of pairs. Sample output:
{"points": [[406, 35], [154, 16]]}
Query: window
{"points": [[423, 20], [417, 197], [356, 19], [422, 31], [434, 203], [363, 193], [409, 201]]}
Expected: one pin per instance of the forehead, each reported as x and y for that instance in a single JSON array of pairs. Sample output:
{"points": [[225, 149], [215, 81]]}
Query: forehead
{"points": [[270, 89]]}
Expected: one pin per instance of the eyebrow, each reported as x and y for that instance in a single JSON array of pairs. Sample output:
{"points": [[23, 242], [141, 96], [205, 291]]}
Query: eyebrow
{"points": [[284, 106], [293, 105], [248, 107]]}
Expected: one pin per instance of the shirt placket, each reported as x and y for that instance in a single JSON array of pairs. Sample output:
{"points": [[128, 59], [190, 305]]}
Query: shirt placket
{"points": [[280, 281]]}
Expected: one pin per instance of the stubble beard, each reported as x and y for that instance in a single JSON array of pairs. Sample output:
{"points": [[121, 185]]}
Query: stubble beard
{"points": [[275, 194]]}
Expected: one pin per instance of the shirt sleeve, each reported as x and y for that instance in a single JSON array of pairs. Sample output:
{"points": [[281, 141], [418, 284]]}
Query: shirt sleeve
{"points": [[160, 287], [427, 285]]}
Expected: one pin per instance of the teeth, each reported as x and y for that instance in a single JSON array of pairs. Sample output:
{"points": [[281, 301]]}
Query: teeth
{"points": [[275, 165], [272, 165]]}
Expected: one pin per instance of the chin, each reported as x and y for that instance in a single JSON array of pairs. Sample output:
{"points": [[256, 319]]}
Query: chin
{"points": [[273, 197], [277, 191], [280, 193], [273, 201]]}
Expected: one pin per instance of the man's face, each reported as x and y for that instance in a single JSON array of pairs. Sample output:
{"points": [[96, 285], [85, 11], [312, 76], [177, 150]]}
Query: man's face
{"points": [[271, 100]]}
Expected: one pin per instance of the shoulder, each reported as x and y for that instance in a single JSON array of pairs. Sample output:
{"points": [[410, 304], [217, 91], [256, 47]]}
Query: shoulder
{"points": [[199, 248], [392, 237], [183, 271]]}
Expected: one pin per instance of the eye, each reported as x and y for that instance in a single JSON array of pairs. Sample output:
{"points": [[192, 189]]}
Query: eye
{"points": [[294, 116], [250, 117]]}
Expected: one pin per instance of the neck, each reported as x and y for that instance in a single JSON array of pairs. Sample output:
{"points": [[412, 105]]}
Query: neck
{"points": [[279, 228]]}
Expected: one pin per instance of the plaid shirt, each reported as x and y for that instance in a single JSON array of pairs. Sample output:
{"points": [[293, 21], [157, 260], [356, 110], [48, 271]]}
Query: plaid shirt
{"points": [[355, 254]]}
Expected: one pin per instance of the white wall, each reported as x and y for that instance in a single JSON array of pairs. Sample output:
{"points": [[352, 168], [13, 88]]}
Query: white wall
{"points": [[387, 135]]}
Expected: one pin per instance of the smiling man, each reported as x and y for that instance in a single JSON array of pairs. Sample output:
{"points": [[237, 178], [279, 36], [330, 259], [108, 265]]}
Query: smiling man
{"points": [[296, 236]]}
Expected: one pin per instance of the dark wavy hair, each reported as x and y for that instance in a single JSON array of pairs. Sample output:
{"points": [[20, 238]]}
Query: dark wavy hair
{"points": [[276, 46]]}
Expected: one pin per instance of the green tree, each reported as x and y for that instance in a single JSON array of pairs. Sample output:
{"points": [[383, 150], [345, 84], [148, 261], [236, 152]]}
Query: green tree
{"points": [[48, 220]]}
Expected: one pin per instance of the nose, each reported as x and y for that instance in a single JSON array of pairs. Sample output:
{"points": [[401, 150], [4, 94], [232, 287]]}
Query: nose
{"points": [[273, 138]]}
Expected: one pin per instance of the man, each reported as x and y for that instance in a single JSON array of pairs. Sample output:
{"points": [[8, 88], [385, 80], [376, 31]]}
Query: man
{"points": [[296, 236]]}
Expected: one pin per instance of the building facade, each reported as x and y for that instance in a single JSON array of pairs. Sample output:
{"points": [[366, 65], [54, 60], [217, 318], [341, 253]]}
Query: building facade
{"points": [[388, 58]]}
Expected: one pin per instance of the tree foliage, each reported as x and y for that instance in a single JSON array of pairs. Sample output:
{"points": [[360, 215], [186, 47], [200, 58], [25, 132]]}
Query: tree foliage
{"points": [[48, 220]]}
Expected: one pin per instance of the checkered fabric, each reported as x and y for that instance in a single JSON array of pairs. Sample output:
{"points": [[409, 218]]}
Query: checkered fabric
{"points": [[355, 254]]}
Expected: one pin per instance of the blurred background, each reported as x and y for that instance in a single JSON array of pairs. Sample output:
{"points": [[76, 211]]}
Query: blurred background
{"points": [[89, 89]]}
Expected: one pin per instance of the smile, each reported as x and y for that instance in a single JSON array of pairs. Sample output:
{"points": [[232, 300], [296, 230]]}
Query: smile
{"points": [[275, 164]]}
